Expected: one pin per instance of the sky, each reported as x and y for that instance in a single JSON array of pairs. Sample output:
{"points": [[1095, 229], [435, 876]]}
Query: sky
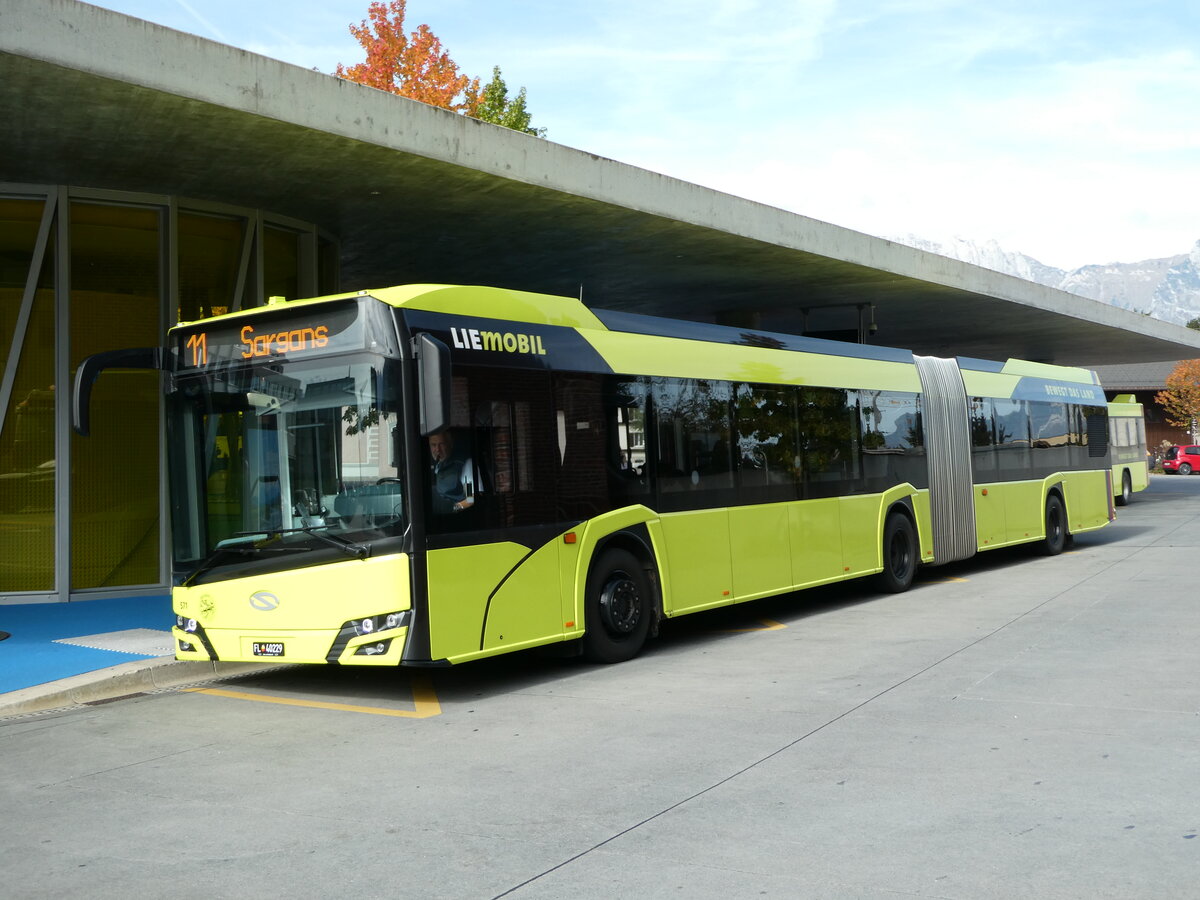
{"points": [[1067, 131]]}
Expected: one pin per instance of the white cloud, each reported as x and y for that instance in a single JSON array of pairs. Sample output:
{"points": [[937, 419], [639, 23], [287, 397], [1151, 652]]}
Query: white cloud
{"points": [[1072, 163], [1064, 131]]}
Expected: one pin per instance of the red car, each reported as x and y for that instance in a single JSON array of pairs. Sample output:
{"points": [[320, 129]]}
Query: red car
{"points": [[1182, 459]]}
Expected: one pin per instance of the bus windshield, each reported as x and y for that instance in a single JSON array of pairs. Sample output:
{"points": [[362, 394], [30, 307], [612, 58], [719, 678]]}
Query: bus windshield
{"points": [[284, 457]]}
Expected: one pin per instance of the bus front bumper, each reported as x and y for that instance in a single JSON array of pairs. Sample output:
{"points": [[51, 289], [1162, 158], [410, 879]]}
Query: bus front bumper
{"points": [[370, 641]]}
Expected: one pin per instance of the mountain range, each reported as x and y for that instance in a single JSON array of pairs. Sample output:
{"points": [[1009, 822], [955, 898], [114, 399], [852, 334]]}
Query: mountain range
{"points": [[1166, 288]]}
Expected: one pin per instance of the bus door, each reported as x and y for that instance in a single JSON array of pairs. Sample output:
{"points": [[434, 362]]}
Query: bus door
{"points": [[990, 497], [694, 475], [493, 560]]}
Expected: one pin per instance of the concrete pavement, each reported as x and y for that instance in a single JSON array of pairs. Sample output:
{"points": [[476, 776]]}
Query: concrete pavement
{"points": [[1014, 726], [54, 655]]}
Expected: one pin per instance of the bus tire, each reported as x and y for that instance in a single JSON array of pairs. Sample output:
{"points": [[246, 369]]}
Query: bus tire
{"points": [[899, 554], [617, 607], [1126, 494], [1056, 527]]}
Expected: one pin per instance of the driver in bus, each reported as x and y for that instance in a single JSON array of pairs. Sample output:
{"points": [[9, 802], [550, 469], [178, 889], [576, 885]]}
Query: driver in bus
{"points": [[453, 475]]}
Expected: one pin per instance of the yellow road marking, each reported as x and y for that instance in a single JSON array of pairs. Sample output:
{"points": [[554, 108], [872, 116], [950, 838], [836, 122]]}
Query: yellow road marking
{"points": [[425, 701], [948, 580], [767, 625]]}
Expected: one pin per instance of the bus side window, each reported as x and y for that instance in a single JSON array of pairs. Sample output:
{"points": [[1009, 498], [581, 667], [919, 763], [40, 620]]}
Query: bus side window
{"points": [[984, 461], [1012, 439], [767, 442], [1051, 436], [893, 443], [586, 440], [829, 440], [627, 468], [693, 429], [512, 432]]}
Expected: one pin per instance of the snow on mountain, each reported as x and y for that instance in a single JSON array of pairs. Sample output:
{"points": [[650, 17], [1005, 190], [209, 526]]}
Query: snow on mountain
{"points": [[1167, 288]]}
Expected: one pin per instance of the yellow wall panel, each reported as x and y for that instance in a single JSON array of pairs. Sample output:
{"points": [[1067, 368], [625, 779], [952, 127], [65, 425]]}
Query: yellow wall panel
{"points": [[1025, 508], [861, 540], [697, 546], [460, 580], [527, 607], [816, 535], [760, 539], [1089, 499], [990, 516]]}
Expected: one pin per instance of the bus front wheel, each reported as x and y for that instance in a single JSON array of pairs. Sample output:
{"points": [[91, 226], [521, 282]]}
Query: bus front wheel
{"points": [[1056, 527], [618, 608], [899, 554]]}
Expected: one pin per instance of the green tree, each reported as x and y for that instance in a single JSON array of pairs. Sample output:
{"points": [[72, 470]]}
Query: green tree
{"points": [[416, 65], [496, 107], [1194, 324]]}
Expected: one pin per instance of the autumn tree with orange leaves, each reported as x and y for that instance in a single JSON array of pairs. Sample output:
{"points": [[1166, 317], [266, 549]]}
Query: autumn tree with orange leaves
{"points": [[1181, 400], [415, 65]]}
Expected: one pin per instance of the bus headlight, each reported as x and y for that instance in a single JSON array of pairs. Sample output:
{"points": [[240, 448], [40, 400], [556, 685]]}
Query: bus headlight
{"points": [[375, 628], [385, 622], [376, 649]]}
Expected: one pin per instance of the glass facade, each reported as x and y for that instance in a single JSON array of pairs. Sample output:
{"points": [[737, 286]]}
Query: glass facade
{"points": [[27, 397], [115, 301], [210, 256], [84, 271]]}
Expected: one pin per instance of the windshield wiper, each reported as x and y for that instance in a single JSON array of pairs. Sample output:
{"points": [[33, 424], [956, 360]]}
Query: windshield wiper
{"points": [[218, 552], [358, 551]]}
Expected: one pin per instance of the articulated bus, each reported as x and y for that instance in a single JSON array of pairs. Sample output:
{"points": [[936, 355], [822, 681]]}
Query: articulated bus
{"points": [[427, 475], [1127, 443]]}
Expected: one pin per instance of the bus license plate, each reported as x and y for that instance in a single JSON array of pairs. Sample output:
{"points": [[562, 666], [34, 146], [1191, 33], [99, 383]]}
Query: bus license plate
{"points": [[267, 648]]}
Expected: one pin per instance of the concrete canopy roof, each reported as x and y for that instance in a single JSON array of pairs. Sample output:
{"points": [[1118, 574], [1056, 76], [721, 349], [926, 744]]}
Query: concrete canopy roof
{"points": [[418, 194]]}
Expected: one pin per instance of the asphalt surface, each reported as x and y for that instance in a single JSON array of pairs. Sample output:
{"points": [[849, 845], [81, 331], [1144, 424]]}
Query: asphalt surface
{"points": [[1013, 726]]}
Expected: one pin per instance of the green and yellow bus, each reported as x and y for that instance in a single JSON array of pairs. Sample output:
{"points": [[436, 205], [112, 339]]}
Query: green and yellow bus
{"points": [[427, 475], [1127, 444]]}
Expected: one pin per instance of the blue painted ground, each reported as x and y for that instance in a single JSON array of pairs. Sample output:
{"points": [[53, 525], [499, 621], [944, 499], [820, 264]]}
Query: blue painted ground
{"points": [[31, 657]]}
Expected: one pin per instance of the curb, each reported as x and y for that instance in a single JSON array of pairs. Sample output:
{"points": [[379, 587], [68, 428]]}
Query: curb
{"points": [[124, 680]]}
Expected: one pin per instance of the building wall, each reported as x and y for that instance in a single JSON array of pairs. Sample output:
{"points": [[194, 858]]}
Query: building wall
{"points": [[84, 271]]}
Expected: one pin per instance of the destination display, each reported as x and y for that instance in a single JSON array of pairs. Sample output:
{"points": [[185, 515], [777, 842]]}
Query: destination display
{"points": [[289, 334], [1030, 388]]}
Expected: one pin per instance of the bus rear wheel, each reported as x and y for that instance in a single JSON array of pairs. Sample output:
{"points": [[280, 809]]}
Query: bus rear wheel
{"points": [[1126, 494], [618, 608], [1056, 527], [899, 554]]}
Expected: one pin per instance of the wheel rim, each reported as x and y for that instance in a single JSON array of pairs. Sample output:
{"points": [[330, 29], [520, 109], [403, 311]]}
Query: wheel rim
{"points": [[899, 554], [620, 604], [1126, 488], [1054, 525], [1185, 469]]}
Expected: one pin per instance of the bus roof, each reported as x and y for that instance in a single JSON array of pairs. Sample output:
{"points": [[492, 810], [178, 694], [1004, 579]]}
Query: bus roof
{"points": [[522, 306]]}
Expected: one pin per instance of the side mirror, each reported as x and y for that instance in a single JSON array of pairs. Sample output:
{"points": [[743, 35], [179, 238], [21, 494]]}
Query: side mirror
{"points": [[90, 369], [433, 383]]}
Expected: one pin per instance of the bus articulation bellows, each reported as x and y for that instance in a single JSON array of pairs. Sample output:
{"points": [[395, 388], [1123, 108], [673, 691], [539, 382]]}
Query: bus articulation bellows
{"points": [[432, 474]]}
